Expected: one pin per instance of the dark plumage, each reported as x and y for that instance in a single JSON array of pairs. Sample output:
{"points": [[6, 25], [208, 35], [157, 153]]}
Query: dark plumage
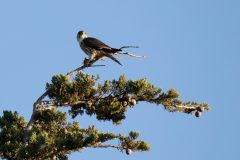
{"points": [[95, 48]]}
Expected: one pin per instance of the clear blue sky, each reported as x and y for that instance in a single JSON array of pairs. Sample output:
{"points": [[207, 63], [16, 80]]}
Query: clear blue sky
{"points": [[191, 45]]}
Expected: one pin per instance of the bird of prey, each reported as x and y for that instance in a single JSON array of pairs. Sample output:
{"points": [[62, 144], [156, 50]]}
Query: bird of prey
{"points": [[96, 49]]}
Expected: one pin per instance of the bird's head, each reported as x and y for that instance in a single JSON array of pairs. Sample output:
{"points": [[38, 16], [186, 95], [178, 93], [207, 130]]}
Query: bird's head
{"points": [[81, 35]]}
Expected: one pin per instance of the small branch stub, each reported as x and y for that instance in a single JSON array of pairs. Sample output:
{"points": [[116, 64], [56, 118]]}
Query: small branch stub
{"points": [[128, 151], [198, 114]]}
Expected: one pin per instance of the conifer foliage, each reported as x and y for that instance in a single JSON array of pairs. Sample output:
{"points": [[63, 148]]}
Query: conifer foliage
{"points": [[49, 135]]}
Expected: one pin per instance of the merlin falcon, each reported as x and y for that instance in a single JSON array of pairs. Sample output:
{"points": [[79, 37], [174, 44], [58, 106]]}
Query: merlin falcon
{"points": [[97, 50]]}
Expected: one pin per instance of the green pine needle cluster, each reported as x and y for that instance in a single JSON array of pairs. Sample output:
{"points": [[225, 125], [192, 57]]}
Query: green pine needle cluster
{"points": [[52, 136], [11, 134], [110, 100]]}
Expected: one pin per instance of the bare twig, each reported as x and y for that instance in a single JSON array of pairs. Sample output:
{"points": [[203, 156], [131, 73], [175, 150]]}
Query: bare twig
{"points": [[86, 63], [127, 53], [130, 54]]}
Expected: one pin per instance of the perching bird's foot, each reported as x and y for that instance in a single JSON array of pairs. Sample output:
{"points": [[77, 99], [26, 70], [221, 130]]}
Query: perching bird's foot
{"points": [[86, 62]]}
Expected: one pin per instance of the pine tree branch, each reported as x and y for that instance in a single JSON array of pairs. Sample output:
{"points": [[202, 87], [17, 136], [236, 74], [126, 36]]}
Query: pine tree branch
{"points": [[87, 63], [95, 145], [119, 147], [109, 101], [102, 145], [49, 105], [52, 104]]}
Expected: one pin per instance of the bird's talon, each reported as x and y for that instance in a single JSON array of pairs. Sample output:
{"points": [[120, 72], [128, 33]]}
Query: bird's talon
{"points": [[86, 62]]}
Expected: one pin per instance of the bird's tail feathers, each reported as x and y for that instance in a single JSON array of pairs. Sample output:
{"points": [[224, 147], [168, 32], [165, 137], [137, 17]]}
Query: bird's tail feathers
{"points": [[113, 58]]}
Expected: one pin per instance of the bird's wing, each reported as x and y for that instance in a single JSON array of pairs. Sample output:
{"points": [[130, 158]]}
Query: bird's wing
{"points": [[99, 45], [95, 43]]}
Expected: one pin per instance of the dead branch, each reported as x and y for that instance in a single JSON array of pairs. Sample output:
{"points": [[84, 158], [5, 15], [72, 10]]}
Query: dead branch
{"points": [[130, 54], [127, 53]]}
